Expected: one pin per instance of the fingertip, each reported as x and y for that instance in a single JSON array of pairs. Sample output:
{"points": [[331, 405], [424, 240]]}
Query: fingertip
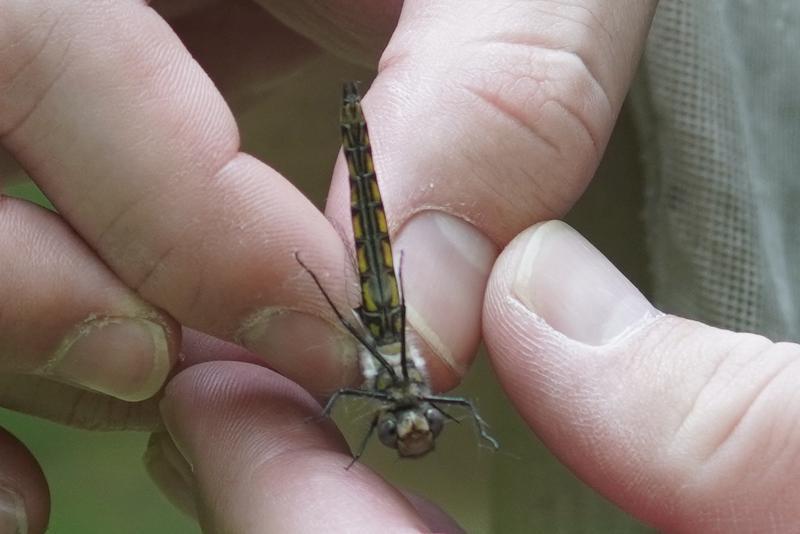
{"points": [[229, 418], [24, 494], [437, 519], [126, 357]]}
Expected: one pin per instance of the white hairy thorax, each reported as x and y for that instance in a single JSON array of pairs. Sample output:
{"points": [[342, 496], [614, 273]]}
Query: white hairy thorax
{"points": [[370, 367]]}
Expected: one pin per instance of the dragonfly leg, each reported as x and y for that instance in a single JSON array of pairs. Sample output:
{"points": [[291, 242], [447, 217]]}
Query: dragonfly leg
{"points": [[466, 403], [365, 441], [403, 354], [445, 414], [349, 327], [352, 392]]}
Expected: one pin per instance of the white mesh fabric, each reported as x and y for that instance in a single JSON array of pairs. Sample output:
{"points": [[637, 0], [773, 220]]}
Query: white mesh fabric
{"points": [[717, 106]]}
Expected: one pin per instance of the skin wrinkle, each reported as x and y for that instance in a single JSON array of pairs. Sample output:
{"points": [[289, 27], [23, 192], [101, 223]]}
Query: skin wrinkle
{"points": [[10, 48], [582, 121], [598, 22], [72, 418], [162, 264], [545, 210], [572, 74], [180, 243], [25, 393], [119, 219], [712, 378], [157, 264], [705, 345], [29, 29], [659, 335], [63, 65], [509, 111], [539, 43], [536, 47], [750, 405], [391, 60]]}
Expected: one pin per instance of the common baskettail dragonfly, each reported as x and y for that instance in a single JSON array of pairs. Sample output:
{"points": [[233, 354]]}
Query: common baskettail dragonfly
{"points": [[410, 416]]}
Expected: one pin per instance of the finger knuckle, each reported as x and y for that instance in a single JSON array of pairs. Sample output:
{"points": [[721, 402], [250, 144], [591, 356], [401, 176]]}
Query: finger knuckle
{"points": [[546, 106], [745, 413]]}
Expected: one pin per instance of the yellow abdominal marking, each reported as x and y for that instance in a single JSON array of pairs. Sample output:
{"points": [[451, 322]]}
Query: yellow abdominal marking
{"points": [[367, 297], [363, 266], [358, 229]]}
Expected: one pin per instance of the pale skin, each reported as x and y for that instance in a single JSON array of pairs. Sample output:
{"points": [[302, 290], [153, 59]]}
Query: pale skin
{"points": [[164, 222]]}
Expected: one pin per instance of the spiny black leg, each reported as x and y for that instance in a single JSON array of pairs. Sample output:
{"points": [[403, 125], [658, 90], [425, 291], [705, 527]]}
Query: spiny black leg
{"points": [[353, 332], [403, 355], [481, 424], [445, 414], [354, 393], [364, 441]]}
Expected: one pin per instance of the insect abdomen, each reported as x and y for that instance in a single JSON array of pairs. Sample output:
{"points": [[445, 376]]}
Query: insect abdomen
{"points": [[380, 308]]}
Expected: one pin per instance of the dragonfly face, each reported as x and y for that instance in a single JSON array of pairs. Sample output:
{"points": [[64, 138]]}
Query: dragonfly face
{"points": [[412, 430]]}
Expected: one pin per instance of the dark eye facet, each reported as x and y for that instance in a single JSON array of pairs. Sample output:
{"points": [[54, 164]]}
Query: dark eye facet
{"points": [[387, 432], [435, 420]]}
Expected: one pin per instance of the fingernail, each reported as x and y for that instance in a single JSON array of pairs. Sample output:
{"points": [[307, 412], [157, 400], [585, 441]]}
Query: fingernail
{"points": [[13, 518], [302, 347], [446, 263], [567, 282], [122, 357]]}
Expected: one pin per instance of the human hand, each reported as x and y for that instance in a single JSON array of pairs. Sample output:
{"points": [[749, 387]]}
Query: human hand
{"points": [[52, 281], [138, 152], [95, 115]]}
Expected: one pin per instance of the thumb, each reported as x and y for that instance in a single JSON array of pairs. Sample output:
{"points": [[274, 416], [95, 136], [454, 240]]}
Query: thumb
{"points": [[687, 427]]}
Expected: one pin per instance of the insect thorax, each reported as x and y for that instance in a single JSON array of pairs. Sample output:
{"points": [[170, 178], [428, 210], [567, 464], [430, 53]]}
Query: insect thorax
{"points": [[376, 377]]}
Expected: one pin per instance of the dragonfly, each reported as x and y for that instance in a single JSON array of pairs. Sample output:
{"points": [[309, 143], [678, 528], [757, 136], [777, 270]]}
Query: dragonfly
{"points": [[409, 416]]}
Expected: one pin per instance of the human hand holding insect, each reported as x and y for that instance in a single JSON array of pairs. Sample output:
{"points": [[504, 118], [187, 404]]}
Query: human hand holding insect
{"points": [[488, 119]]}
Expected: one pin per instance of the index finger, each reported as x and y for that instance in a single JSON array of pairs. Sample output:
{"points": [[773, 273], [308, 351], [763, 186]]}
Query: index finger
{"points": [[486, 117]]}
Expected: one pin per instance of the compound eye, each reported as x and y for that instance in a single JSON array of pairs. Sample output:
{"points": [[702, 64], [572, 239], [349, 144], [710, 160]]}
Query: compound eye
{"points": [[387, 432], [435, 420]]}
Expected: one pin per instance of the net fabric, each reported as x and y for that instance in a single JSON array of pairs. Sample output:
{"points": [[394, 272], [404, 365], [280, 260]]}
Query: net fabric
{"points": [[717, 108]]}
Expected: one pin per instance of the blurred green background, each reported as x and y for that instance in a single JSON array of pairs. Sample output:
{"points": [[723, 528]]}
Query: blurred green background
{"points": [[98, 482]]}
